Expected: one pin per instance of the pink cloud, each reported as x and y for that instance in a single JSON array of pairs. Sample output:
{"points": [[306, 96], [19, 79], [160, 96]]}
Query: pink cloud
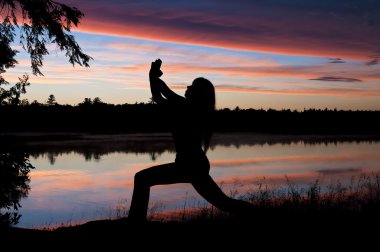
{"points": [[244, 26]]}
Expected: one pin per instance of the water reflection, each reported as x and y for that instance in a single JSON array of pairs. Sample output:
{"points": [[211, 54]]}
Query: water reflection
{"points": [[14, 185], [92, 148], [91, 177]]}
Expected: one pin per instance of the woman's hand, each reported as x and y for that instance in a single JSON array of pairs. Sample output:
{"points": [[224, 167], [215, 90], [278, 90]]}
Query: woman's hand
{"points": [[155, 70]]}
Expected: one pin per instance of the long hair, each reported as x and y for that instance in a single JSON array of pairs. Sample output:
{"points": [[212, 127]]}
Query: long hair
{"points": [[204, 102]]}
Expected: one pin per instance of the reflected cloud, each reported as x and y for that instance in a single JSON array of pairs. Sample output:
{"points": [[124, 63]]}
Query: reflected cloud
{"points": [[301, 178], [342, 157], [55, 173], [77, 180], [62, 180]]}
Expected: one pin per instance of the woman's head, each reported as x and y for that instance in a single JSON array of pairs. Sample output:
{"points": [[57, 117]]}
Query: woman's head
{"points": [[201, 94]]}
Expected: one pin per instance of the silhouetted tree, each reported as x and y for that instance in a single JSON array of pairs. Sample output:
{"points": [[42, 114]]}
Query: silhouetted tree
{"points": [[14, 185], [35, 103], [24, 102], [52, 157], [86, 102], [51, 101], [42, 22], [104, 117], [97, 100]]}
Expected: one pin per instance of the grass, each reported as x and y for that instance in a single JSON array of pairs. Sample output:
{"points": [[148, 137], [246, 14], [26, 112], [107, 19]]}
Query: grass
{"points": [[360, 197], [361, 194]]}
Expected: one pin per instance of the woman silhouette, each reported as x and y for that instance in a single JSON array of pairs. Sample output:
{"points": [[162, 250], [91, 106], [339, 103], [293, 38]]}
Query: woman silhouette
{"points": [[190, 129]]}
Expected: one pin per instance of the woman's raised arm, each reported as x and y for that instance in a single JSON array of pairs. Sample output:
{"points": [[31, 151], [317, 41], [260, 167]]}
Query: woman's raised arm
{"points": [[161, 93]]}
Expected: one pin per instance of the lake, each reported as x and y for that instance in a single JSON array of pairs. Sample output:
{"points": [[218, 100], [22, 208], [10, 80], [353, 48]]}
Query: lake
{"points": [[91, 178]]}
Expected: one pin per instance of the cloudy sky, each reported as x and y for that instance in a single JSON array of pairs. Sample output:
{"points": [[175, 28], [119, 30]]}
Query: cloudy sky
{"points": [[277, 54]]}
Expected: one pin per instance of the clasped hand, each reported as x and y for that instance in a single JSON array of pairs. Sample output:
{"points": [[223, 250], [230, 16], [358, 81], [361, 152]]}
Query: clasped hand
{"points": [[155, 70]]}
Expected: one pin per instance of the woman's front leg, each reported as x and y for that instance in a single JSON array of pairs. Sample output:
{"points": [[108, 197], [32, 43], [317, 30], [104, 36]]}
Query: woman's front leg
{"points": [[144, 179]]}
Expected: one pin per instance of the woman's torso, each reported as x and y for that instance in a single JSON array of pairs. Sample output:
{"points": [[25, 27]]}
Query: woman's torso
{"points": [[187, 131]]}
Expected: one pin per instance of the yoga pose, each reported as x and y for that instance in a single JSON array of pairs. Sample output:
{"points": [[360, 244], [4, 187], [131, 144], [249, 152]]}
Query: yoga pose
{"points": [[190, 131]]}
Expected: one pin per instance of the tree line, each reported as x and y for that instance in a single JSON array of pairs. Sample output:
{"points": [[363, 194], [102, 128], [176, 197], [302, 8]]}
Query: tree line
{"points": [[96, 116]]}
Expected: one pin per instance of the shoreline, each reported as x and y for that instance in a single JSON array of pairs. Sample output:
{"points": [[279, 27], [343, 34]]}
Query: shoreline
{"points": [[61, 135], [323, 228]]}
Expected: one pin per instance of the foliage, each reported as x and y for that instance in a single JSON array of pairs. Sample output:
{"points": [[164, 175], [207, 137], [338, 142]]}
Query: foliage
{"points": [[12, 96], [14, 184], [51, 101], [88, 102], [40, 22]]}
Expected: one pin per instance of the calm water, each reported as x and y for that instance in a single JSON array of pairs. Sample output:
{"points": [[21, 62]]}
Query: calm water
{"points": [[78, 181]]}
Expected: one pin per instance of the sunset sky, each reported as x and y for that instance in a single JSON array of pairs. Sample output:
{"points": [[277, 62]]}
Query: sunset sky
{"points": [[281, 54]]}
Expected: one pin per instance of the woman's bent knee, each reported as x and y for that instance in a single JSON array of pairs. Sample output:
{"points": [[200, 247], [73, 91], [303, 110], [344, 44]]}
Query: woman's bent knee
{"points": [[140, 176], [145, 176]]}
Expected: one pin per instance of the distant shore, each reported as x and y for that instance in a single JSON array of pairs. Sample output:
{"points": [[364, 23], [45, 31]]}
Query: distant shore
{"points": [[102, 118]]}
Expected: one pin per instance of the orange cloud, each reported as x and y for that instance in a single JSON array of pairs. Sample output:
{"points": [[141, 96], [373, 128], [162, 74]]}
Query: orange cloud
{"points": [[347, 92], [268, 70]]}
